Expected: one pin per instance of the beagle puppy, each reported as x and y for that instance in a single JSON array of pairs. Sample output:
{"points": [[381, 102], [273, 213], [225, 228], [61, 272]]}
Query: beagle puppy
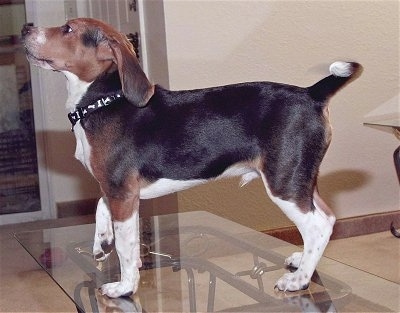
{"points": [[142, 141]]}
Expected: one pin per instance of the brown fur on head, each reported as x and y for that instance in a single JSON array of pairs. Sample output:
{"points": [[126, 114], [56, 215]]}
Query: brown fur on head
{"points": [[87, 48]]}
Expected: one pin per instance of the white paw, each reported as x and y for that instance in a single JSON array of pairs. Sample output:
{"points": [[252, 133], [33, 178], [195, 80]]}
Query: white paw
{"points": [[293, 282], [121, 288], [104, 233], [102, 247], [294, 260], [115, 290]]}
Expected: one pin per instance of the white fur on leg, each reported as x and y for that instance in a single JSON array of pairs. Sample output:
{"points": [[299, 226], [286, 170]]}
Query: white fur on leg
{"points": [[127, 245], [315, 228], [294, 260], [104, 236]]}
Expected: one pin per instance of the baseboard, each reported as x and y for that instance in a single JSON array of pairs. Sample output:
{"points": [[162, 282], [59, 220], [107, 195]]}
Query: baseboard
{"points": [[150, 207], [344, 228], [76, 208]]}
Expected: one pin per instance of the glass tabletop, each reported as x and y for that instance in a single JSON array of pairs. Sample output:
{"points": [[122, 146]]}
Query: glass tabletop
{"points": [[393, 122], [197, 261]]}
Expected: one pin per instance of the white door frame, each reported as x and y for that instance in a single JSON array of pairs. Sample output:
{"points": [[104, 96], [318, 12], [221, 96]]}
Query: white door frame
{"points": [[48, 209]]}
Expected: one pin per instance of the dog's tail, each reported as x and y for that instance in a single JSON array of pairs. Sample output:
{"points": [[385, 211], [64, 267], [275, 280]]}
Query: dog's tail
{"points": [[341, 74]]}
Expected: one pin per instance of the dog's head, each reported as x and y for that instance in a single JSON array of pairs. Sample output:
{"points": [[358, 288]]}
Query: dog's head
{"points": [[88, 48]]}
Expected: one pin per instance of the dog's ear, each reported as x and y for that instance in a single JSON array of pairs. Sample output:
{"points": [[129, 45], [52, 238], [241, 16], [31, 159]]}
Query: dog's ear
{"points": [[135, 85]]}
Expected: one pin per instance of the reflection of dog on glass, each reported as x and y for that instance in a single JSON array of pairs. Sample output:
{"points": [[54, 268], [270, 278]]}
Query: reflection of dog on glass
{"points": [[141, 141], [122, 305]]}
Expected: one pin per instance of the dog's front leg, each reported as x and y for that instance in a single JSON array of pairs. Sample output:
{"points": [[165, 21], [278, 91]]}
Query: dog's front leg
{"points": [[125, 214], [104, 235]]}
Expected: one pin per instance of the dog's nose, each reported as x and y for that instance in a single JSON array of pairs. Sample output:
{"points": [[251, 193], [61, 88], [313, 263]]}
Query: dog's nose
{"points": [[26, 29]]}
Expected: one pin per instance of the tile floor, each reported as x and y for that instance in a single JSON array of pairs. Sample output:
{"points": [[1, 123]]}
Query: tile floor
{"points": [[24, 287]]}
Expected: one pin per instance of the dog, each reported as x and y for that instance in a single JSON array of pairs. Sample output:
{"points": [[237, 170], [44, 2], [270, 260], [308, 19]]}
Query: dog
{"points": [[142, 141]]}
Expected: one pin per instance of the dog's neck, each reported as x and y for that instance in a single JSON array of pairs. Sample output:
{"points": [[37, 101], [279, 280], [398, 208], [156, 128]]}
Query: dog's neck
{"points": [[76, 89], [83, 99], [84, 111]]}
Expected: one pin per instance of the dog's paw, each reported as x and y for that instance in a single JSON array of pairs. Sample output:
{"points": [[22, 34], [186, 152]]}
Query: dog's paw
{"points": [[121, 288], [103, 245], [104, 233], [116, 290], [293, 282], [294, 260], [102, 251]]}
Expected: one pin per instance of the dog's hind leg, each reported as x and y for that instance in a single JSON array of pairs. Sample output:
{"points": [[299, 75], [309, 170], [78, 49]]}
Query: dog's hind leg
{"points": [[315, 226], [104, 236], [322, 208]]}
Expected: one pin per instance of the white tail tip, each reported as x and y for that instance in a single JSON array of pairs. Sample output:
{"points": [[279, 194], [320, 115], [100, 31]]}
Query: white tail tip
{"points": [[341, 69]]}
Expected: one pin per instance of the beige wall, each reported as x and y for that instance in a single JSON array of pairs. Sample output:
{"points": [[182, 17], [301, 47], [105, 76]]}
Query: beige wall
{"points": [[220, 42]]}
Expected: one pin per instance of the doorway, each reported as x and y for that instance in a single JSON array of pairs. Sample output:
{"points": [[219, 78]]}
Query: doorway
{"points": [[19, 178]]}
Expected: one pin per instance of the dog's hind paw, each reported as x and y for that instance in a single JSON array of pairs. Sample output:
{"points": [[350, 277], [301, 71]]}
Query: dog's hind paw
{"points": [[293, 282]]}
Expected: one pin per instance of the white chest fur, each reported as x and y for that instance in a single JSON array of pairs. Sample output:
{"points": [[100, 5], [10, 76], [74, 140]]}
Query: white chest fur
{"points": [[82, 151], [76, 89]]}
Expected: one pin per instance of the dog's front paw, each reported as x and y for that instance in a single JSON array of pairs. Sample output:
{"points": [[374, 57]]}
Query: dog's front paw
{"points": [[104, 233], [294, 260], [116, 290], [293, 282], [102, 247], [121, 288]]}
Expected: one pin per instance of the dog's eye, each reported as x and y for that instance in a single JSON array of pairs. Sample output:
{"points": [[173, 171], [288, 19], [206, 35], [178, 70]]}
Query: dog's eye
{"points": [[66, 29]]}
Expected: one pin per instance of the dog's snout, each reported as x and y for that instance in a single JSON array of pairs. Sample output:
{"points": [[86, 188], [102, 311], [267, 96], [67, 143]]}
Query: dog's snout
{"points": [[26, 29]]}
